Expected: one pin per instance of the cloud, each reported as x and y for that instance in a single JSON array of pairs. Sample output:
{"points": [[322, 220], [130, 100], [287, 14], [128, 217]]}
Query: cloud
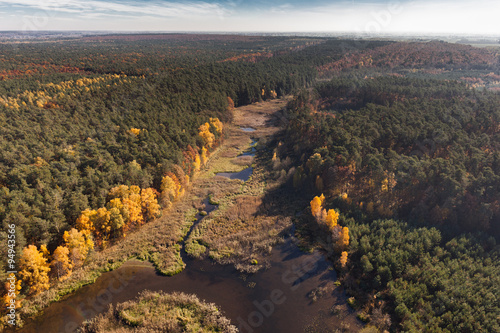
{"points": [[372, 16], [157, 8]]}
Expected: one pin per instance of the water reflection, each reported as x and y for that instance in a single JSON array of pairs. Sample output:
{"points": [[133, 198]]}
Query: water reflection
{"points": [[275, 300], [243, 175], [247, 129]]}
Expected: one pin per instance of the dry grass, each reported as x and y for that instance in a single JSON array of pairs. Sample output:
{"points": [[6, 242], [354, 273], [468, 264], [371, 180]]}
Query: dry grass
{"points": [[160, 312], [241, 231]]}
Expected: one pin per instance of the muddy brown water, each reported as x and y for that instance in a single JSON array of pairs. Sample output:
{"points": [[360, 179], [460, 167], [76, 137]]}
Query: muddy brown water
{"points": [[273, 300]]}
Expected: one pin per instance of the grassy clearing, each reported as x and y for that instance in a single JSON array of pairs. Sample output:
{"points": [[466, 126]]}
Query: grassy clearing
{"points": [[161, 312], [242, 231]]}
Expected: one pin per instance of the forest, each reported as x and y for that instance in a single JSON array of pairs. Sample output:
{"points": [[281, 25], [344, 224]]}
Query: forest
{"points": [[395, 145], [409, 167]]}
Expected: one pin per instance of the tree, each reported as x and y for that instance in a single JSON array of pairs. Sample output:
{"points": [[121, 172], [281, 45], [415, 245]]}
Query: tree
{"points": [[343, 258], [85, 221], [230, 104], [132, 204], [61, 263], [101, 221], [319, 183], [204, 156], [316, 205], [197, 163], [79, 244], [150, 207], [207, 137], [217, 124], [34, 270], [331, 219], [343, 241], [170, 188]]}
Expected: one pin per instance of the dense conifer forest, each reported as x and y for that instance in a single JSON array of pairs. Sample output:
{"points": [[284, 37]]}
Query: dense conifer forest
{"points": [[412, 166]]}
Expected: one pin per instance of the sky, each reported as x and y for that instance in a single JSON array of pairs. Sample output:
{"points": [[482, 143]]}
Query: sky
{"points": [[359, 16]]}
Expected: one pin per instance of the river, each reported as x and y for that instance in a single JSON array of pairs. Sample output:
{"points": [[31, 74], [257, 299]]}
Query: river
{"points": [[274, 300]]}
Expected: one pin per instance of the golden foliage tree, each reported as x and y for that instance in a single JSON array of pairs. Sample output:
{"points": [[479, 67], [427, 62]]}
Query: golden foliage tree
{"points": [[207, 137], [135, 131], [121, 191], [79, 244], [217, 124], [343, 241], [343, 258], [316, 205], [34, 270], [204, 156], [85, 221], [102, 225], [150, 207], [61, 263], [332, 218], [7, 298], [170, 187], [133, 205], [197, 163], [118, 215]]}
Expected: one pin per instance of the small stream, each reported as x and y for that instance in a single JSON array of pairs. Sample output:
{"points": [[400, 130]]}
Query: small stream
{"points": [[252, 150]]}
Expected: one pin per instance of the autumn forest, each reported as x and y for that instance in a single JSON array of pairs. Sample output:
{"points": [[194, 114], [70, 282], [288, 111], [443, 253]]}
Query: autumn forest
{"points": [[386, 160]]}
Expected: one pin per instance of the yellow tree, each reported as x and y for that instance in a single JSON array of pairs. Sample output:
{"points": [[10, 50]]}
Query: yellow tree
{"points": [[61, 263], [101, 221], [135, 131], [197, 163], [85, 221], [34, 270], [343, 241], [79, 245], [44, 251], [118, 215], [217, 124], [316, 205], [132, 204], [206, 136], [170, 187], [204, 156], [117, 204], [150, 207], [343, 258], [332, 218], [121, 191]]}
